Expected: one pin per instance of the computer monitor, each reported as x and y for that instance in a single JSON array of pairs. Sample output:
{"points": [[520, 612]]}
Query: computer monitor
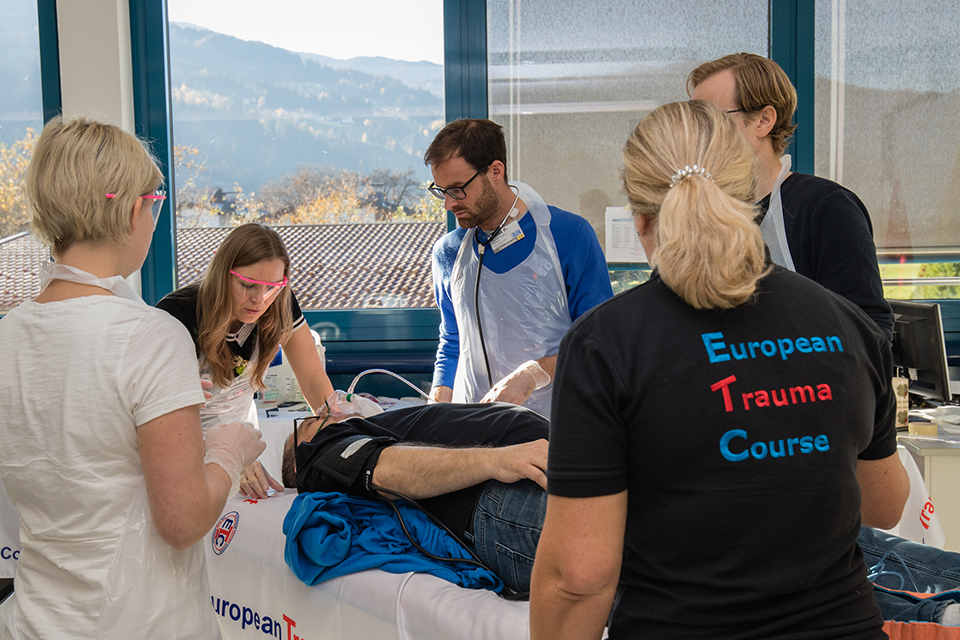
{"points": [[918, 347]]}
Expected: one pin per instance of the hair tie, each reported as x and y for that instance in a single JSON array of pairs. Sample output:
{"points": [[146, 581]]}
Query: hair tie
{"points": [[689, 171]]}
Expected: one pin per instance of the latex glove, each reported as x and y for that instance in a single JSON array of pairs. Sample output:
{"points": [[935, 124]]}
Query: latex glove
{"points": [[517, 387], [233, 447], [206, 384], [255, 481], [332, 405]]}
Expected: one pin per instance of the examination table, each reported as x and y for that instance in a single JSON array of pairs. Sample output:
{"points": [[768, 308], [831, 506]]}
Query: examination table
{"points": [[255, 593]]}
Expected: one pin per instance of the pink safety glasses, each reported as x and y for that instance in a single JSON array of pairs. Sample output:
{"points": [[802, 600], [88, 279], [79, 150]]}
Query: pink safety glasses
{"points": [[158, 197], [267, 289]]}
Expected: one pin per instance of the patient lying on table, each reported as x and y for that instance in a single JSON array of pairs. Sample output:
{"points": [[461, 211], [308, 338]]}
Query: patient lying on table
{"points": [[480, 470]]}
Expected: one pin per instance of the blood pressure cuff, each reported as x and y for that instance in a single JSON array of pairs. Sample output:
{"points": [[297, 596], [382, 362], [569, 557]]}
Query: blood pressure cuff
{"points": [[349, 460]]}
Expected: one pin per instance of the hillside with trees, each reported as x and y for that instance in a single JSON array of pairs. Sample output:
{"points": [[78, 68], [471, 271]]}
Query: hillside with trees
{"points": [[256, 112]]}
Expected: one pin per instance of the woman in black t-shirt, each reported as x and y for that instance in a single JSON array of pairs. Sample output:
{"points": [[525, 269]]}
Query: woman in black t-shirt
{"points": [[719, 431], [239, 315]]}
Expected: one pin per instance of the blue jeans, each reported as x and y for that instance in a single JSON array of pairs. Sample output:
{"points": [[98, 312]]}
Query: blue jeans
{"points": [[900, 564], [506, 529]]}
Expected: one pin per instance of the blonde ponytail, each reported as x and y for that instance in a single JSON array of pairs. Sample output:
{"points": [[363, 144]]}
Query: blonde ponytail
{"points": [[709, 249]]}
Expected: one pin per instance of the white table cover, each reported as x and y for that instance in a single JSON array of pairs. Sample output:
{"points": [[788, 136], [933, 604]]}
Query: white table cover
{"points": [[256, 594]]}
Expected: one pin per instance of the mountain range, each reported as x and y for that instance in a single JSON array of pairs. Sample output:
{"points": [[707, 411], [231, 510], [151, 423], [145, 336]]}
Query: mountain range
{"points": [[256, 112]]}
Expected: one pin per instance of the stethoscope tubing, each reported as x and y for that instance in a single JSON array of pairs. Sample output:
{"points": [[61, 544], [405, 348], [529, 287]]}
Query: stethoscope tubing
{"points": [[476, 291]]}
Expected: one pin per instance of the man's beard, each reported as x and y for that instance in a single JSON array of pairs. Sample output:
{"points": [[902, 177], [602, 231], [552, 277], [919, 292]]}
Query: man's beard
{"points": [[487, 206]]}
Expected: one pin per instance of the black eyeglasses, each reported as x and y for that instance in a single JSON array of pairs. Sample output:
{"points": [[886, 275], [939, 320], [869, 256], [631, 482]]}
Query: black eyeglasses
{"points": [[296, 428], [743, 110], [457, 193]]}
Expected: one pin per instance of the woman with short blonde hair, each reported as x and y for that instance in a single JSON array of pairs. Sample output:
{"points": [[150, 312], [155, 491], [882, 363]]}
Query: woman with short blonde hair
{"points": [[103, 454], [74, 164]]}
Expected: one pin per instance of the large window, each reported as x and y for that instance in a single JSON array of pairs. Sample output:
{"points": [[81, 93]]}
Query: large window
{"points": [[569, 81], [887, 87], [312, 117], [21, 118]]}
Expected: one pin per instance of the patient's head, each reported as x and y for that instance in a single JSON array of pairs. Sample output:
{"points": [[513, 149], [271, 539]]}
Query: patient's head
{"points": [[306, 430]]}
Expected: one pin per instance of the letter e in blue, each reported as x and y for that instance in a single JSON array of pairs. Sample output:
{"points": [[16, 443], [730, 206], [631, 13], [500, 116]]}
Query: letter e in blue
{"points": [[713, 343]]}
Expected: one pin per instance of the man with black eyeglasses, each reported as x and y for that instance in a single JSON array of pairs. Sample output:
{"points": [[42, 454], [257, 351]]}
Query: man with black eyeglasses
{"points": [[812, 226], [510, 280]]}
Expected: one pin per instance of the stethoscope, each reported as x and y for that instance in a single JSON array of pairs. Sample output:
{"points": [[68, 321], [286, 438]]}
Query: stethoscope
{"points": [[476, 292]]}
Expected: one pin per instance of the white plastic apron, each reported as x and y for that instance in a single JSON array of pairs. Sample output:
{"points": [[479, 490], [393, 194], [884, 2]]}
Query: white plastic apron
{"points": [[772, 228], [146, 574], [153, 590], [233, 403], [524, 311]]}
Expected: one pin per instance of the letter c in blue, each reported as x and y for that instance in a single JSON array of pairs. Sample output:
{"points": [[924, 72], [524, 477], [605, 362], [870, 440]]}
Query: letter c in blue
{"points": [[725, 445]]}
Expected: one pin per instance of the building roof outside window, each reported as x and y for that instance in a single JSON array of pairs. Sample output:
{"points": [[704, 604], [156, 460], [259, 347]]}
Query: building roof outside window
{"points": [[334, 266]]}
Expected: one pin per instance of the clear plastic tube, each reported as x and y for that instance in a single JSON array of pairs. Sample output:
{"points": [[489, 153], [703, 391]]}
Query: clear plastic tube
{"points": [[389, 373]]}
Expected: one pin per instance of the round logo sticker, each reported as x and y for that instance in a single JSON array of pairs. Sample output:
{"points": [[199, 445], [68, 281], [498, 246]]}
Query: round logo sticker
{"points": [[224, 531]]}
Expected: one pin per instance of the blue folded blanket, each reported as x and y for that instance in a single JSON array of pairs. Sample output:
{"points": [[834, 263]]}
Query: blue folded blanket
{"points": [[333, 534]]}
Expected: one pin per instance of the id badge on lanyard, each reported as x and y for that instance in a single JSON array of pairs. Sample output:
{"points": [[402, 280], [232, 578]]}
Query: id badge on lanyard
{"points": [[508, 235]]}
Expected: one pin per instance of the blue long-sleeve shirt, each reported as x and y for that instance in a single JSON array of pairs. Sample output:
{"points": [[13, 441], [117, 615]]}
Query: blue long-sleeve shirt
{"points": [[581, 260]]}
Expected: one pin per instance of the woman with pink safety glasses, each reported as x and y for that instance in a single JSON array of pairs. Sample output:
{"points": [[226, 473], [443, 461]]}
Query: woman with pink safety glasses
{"points": [[238, 315]]}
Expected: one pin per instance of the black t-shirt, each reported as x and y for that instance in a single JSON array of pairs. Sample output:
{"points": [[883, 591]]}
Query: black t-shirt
{"points": [[736, 434], [830, 236], [454, 425], [182, 305]]}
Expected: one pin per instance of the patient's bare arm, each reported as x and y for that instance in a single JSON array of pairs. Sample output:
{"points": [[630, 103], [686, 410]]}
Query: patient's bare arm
{"points": [[424, 471]]}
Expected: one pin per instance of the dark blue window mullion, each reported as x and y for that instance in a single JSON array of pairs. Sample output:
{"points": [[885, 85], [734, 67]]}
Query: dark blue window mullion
{"points": [[792, 42], [49, 59], [465, 58], [465, 63], [150, 55]]}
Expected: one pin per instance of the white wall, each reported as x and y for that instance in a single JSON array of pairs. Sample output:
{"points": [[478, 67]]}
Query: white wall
{"points": [[96, 73], [95, 61]]}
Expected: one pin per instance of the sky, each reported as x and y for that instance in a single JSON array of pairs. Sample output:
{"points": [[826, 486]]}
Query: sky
{"points": [[401, 29]]}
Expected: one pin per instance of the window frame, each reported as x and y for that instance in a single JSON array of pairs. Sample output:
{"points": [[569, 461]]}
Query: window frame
{"points": [[408, 333]]}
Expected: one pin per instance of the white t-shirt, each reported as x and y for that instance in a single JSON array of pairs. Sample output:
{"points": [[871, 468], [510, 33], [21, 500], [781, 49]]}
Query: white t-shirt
{"points": [[78, 377]]}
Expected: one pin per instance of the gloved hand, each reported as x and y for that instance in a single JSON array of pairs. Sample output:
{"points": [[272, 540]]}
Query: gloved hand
{"points": [[233, 447], [255, 481], [517, 387]]}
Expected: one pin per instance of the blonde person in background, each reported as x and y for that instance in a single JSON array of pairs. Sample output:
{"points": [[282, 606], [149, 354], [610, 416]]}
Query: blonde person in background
{"points": [[740, 425], [238, 316], [103, 455]]}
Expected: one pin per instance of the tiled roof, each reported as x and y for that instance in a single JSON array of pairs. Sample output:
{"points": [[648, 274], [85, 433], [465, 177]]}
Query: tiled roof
{"points": [[335, 266], [20, 258]]}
